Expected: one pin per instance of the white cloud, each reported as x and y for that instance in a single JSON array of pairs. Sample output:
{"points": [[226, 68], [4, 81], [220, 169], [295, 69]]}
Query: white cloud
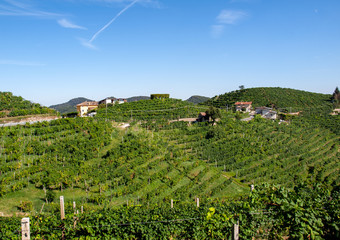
{"points": [[20, 63], [226, 17], [15, 8], [230, 16], [67, 24], [87, 44], [217, 30]]}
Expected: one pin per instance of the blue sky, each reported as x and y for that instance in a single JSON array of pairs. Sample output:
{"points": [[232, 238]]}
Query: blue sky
{"points": [[55, 50]]}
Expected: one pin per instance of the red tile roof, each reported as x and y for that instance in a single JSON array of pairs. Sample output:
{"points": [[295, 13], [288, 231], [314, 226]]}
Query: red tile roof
{"points": [[88, 104], [243, 103]]}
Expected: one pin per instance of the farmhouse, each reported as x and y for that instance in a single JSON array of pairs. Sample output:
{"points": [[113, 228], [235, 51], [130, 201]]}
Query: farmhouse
{"points": [[243, 106], [266, 112], [84, 107], [112, 100]]}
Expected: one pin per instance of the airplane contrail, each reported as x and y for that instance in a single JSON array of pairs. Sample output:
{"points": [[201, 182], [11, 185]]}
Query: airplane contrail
{"points": [[112, 20]]}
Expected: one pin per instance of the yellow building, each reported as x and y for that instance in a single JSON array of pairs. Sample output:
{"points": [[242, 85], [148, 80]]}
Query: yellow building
{"points": [[85, 107]]}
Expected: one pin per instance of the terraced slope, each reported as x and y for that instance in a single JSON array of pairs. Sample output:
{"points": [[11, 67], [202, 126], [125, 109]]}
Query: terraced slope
{"points": [[150, 110], [286, 99], [267, 151], [13, 106], [159, 160]]}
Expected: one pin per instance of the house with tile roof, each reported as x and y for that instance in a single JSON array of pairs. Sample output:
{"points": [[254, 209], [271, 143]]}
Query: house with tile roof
{"points": [[85, 107], [243, 106]]}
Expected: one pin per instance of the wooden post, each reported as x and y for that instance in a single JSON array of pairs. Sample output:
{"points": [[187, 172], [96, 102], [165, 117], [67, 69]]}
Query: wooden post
{"points": [[25, 229], [74, 207], [172, 203], [236, 231], [198, 202], [62, 209], [252, 187], [82, 209]]}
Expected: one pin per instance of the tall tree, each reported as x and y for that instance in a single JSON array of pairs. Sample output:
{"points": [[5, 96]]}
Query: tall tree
{"points": [[336, 96], [213, 113]]}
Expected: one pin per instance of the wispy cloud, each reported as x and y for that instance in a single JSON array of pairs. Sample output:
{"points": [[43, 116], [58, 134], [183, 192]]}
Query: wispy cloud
{"points": [[67, 24], [217, 30], [89, 43], [226, 17], [20, 63], [16, 8], [230, 16]]}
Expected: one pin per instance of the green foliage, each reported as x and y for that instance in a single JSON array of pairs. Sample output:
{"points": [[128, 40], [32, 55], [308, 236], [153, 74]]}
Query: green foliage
{"points": [[70, 106], [197, 99], [284, 99], [50, 195], [13, 106], [26, 206], [159, 96], [213, 113], [269, 212], [145, 110]]}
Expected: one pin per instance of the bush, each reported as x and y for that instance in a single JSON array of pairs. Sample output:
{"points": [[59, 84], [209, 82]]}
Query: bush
{"points": [[26, 206], [50, 195]]}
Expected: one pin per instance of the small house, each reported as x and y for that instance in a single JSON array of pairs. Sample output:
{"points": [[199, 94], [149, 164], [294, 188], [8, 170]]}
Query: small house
{"points": [[266, 112], [110, 100], [85, 107], [243, 106]]}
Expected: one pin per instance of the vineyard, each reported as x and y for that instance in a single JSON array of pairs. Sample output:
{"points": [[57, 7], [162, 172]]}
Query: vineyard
{"points": [[285, 99], [155, 109], [126, 178], [13, 106], [269, 212]]}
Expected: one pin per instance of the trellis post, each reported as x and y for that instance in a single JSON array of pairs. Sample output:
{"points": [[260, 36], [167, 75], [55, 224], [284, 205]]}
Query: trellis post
{"points": [[236, 230], [172, 203], [74, 207], [62, 208], [198, 202], [25, 229]]}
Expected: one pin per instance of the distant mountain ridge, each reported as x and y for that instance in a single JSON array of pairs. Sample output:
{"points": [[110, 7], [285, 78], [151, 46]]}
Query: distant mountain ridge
{"points": [[197, 99], [137, 98], [70, 106]]}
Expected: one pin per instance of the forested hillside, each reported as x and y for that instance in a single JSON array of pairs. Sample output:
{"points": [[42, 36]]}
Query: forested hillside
{"points": [[197, 99], [70, 106], [13, 106], [285, 99]]}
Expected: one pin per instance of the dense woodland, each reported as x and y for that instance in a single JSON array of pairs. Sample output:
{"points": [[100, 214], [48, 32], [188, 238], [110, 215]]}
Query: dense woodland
{"points": [[125, 178]]}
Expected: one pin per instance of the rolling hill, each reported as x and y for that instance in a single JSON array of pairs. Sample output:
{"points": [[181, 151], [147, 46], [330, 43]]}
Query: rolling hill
{"points": [[15, 106], [70, 106], [197, 99], [285, 99]]}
